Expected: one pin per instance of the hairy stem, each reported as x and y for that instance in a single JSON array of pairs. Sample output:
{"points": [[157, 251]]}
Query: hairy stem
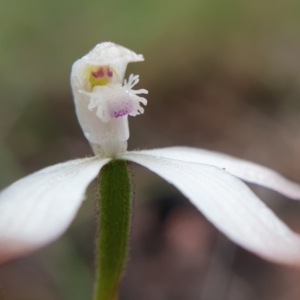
{"points": [[113, 228]]}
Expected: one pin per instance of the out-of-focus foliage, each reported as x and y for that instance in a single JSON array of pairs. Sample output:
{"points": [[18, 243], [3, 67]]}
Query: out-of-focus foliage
{"points": [[221, 74]]}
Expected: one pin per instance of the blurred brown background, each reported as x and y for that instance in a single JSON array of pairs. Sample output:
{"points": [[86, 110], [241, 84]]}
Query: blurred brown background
{"points": [[222, 75]]}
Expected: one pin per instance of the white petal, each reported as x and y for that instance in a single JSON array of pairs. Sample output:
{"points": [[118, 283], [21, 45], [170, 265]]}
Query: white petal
{"points": [[246, 170], [109, 53], [102, 54], [230, 205], [38, 208]]}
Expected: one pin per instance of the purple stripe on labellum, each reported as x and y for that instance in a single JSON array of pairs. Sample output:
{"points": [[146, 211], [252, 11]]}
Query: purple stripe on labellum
{"points": [[120, 113]]}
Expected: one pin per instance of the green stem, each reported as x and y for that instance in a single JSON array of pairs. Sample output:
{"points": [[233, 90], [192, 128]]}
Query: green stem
{"points": [[113, 228]]}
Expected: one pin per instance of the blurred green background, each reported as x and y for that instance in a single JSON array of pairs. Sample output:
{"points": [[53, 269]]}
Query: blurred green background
{"points": [[222, 75]]}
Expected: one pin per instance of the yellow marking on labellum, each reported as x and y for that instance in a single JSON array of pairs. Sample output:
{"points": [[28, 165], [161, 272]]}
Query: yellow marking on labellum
{"points": [[100, 75]]}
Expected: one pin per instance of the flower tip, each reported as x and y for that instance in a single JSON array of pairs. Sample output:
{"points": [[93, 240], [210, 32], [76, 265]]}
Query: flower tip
{"points": [[140, 57], [111, 53]]}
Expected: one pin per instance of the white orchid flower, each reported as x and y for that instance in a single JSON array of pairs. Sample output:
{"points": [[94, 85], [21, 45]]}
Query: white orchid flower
{"points": [[37, 209]]}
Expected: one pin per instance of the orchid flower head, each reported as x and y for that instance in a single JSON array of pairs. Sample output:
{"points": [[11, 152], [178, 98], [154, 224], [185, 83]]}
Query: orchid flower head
{"points": [[37, 209], [103, 99]]}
